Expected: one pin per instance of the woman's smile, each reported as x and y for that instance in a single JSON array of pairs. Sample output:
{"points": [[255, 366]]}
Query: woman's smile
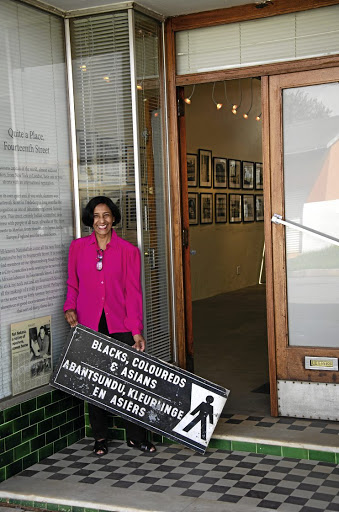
{"points": [[103, 220]]}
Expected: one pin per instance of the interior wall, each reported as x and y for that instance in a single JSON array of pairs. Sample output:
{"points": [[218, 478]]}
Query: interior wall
{"points": [[221, 248]]}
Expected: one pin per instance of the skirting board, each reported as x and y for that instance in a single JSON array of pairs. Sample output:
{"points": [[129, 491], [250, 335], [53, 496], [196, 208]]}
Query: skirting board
{"points": [[308, 400]]}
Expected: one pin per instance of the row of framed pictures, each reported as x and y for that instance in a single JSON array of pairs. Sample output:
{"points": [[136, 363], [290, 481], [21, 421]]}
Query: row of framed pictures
{"points": [[227, 172], [241, 208]]}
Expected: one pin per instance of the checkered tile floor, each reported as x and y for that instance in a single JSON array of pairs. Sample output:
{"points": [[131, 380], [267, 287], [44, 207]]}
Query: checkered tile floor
{"points": [[318, 426], [254, 480]]}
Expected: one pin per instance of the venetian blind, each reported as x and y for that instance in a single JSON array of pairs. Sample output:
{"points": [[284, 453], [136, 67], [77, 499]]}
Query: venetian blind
{"points": [[102, 95], [153, 185], [280, 38]]}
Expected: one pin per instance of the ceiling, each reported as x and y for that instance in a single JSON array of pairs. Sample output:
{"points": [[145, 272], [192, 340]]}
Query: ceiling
{"points": [[164, 7]]}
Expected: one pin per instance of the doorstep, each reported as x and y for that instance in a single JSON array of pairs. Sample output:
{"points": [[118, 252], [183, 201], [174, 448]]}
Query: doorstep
{"points": [[287, 437]]}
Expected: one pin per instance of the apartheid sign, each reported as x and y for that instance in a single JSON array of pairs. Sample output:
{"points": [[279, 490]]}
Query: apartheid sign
{"points": [[139, 387]]}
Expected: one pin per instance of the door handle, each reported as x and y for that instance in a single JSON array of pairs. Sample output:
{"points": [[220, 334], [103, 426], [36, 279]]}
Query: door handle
{"points": [[277, 219], [150, 253]]}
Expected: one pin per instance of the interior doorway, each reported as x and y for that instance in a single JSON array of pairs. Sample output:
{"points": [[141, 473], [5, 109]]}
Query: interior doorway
{"points": [[223, 133]]}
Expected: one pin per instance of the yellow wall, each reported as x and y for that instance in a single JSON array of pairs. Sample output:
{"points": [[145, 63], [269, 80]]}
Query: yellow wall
{"points": [[220, 248]]}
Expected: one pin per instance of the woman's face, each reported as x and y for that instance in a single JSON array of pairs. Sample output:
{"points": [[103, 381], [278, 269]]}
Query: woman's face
{"points": [[103, 220]]}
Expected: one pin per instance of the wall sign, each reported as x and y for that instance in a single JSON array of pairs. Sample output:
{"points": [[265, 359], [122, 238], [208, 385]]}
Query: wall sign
{"points": [[139, 387]]}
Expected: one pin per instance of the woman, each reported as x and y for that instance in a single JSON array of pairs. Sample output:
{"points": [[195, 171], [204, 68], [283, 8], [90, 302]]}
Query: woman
{"points": [[104, 294]]}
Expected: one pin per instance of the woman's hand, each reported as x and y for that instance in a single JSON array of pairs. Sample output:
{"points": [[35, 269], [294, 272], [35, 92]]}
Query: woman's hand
{"points": [[140, 342], [71, 317]]}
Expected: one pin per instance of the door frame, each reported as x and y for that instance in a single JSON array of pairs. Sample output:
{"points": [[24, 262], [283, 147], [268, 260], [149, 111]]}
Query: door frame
{"points": [[178, 166]]}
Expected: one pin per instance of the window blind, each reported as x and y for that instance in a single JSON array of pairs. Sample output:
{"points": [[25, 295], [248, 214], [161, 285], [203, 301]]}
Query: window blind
{"points": [[102, 96], [285, 37], [153, 185]]}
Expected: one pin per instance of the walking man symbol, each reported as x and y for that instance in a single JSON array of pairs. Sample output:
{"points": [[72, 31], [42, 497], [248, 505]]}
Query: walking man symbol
{"points": [[205, 410]]}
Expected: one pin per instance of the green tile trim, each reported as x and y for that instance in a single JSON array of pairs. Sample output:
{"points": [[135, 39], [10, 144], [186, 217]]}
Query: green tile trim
{"points": [[244, 446], [52, 410], [32, 458], [21, 451], [269, 449], [2, 474], [64, 508], [21, 423], [36, 416], [13, 468], [38, 442], [6, 429], [323, 456], [52, 506], [294, 453], [45, 426], [44, 399], [12, 441], [58, 395], [28, 406], [337, 458], [12, 413], [40, 504], [26, 503], [29, 433], [220, 444], [6, 458], [46, 451]]}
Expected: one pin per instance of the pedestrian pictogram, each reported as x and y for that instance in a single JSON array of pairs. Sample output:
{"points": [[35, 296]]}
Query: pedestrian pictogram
{"points": [[205, 410]]}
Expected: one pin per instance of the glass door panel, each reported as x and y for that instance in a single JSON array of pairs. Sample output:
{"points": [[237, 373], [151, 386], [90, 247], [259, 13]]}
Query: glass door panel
{"points": [[310, 117]]}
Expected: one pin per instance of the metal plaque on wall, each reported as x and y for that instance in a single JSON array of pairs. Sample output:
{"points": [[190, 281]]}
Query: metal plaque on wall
{"points": [[141, 388]]}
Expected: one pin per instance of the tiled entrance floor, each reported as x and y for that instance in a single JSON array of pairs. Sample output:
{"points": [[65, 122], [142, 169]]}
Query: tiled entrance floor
{"points": [[177, 479]]}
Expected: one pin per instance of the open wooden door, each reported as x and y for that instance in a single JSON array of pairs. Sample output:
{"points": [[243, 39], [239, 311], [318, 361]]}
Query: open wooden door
{"points": [[185, 233], [303, 132]]}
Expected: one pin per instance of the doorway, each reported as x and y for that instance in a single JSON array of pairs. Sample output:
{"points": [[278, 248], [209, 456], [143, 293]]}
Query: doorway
{"points": [[225, 194]]}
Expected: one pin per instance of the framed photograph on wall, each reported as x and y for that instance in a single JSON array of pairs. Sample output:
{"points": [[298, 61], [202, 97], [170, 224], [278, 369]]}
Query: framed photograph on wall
{"points": [[206, 208], [248, 207], [193, 208], [234, 201], [259, 208], [205, 168], [234, 173], [259, 176], [219, 172], [220, 208], [192, 170], [248, 175]]}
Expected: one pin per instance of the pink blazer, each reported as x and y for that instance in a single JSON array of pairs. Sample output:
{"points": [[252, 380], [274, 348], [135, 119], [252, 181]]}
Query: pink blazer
{"points": [[116, 288]]}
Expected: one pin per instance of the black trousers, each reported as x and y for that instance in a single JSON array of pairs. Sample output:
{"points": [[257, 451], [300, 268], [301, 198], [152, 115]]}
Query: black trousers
{"points": [[99, 417]]}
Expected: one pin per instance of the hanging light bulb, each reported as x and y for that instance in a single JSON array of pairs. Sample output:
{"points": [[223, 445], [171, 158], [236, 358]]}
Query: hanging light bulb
{"points": [[139, 87], [245, 116], [106, 78], [258, 118], [236, 106], [83, 67], [188, 99], [218, 105]]}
